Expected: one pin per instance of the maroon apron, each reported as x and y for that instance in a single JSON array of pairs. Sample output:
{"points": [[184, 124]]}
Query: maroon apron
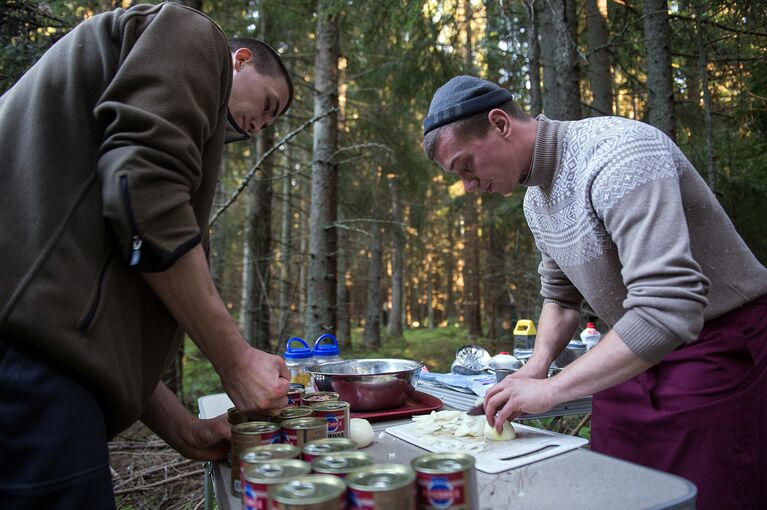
{"points": [[701, 413]]}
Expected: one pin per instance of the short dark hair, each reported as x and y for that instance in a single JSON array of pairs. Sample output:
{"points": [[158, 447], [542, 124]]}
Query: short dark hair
{"points": [[267, 60], [475, 126]]}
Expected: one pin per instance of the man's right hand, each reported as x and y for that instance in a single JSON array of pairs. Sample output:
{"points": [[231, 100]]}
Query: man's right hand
{"points": [[256, 381]]}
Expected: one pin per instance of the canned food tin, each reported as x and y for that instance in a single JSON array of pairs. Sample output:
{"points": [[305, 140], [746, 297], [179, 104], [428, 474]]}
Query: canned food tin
{"points": [[299, 431], [307, 399], [446, 480], [265, 453], [342, 463], [311, 492], [327, 446], [235, 416], [259, 477], [289, 413], [294, 397], [382, 487], [247, 435], [337, 416]]}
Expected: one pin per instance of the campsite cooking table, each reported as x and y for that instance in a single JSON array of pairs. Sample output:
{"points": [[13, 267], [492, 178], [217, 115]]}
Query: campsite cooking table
{"points": [[577, 479]]}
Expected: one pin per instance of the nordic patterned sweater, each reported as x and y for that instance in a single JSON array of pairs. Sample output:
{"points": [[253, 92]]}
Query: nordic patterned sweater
{"points": [[624, 221]]}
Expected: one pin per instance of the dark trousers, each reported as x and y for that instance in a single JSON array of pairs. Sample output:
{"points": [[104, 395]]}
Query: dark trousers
{"points": [[53, 438], [700, 413]]}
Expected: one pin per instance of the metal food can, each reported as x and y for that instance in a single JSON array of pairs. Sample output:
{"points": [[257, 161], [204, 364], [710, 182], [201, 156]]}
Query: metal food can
{"points": [[337, 416], [382, 487], [257, 479], [328, 446], [289, 413], [294, 396], [265, 453], [310, 492], [341, 464], [247, 435], [446, 480], [300, 431], [307, 399], [235, 416]]}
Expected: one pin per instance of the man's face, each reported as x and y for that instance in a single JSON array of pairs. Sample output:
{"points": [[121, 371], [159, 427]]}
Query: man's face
{"points": [[256, 99], [482, 164]]}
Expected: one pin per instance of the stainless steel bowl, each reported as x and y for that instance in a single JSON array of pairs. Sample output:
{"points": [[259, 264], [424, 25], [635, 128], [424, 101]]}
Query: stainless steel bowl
{"points": [[369, 384]]}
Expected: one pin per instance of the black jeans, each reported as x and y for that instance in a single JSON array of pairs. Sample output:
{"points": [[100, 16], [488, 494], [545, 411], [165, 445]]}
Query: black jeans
{"points": [[53, 438]]}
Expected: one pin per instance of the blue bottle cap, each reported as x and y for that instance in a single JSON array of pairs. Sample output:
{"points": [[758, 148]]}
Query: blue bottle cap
{"points": [[304, 352], [326, 349]]}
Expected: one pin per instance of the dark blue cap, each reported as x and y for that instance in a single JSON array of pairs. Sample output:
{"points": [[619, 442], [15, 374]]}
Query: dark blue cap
{"points": [[462, 97]]}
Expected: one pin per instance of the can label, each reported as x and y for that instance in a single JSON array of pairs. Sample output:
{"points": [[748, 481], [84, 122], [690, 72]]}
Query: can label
{"points": [[337, 416], [255, 496], [442, 491], [297, 437], [403, 498], [294, 398]]}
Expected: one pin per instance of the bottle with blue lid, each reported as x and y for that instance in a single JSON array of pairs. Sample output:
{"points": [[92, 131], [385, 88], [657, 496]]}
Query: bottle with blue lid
{"points": [[298, 359], [327, 351]]}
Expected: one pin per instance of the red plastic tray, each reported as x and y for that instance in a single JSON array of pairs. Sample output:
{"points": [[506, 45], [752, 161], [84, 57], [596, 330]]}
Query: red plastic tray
{"points": [[418, 403]]}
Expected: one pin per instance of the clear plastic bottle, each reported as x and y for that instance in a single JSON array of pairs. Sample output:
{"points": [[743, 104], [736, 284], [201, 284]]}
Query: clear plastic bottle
{"points": [[297, 361], [590, 336], [326, 352]]}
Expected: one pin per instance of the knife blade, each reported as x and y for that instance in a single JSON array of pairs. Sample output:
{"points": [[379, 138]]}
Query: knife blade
{"points": [[476, 410]]}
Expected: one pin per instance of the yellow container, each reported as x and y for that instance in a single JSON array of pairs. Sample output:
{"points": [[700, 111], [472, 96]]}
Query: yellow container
{"points": [[524, 336]]}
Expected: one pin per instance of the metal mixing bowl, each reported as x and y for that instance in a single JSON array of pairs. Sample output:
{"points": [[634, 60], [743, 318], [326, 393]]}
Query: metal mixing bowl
{"points": [[369, 384]]}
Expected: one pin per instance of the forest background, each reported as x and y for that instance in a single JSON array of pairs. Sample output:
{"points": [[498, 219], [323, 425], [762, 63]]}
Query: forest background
{"points": [[334, 220]]}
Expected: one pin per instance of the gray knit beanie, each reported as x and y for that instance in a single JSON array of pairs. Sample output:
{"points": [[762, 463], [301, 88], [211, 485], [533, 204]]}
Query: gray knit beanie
{"points": [[462, 97]]}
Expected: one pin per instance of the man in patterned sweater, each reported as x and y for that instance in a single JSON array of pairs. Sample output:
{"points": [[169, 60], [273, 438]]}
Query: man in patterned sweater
{"points": [[624, 221]]}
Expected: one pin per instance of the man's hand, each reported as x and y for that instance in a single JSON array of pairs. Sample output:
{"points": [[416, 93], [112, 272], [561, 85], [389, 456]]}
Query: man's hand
{"points": [[190, 436], [257, 381], [516, 395]]}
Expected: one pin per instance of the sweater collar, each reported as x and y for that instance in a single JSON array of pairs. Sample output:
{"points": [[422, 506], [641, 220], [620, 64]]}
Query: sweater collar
{"points": [[234, 133], [547, 152]]}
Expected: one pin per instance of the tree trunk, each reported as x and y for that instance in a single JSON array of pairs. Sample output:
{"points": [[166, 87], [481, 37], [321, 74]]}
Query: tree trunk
{"points": [[451, 311], [533, 57], [430, 295], [372, 332], [707, 118], [657, 35], [286, 250], [194, 4], [321, 292], [344, 329], [471, 270], [397, 315], [561, 76], [600, 77]]}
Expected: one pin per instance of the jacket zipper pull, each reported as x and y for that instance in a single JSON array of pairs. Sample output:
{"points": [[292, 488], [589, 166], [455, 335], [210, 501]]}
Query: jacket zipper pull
{"points": [[136, 253]]}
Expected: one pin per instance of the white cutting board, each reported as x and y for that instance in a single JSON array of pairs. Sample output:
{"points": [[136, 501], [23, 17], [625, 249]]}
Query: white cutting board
{"points": [[530, 445]]}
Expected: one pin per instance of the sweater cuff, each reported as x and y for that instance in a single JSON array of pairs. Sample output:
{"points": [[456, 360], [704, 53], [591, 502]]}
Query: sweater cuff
{"points": [[646, 340], [564, 304]]}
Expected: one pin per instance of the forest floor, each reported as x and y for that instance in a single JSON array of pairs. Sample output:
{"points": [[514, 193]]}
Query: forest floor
{"points": [[147, 474]]}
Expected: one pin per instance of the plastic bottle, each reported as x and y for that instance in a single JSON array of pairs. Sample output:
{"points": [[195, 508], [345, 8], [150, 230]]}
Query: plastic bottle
{"points": [[297, 361], [590, 336], [505, 361], [326, 352]]}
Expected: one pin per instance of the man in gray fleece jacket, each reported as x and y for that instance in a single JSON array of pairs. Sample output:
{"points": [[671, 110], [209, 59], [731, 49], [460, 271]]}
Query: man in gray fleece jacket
{"points": [[624, 221], [112, 144]]}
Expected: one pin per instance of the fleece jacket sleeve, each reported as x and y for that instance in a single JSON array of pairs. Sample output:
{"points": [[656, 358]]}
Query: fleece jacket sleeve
{"points": [[639, 201], [163, 103]]}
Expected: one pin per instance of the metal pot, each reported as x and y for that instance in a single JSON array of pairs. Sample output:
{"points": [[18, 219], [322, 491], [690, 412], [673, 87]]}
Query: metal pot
{"points": [[369, 384]]}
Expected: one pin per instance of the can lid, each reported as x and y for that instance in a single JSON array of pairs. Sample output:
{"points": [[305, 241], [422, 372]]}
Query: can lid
{"points": [[255, 427], [439, 463], [341, 462], [381, 477], [277, 470], [304, 352], [309, 490], [326, 349]]}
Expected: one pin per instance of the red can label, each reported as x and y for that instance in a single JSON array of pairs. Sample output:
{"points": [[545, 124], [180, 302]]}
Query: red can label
{"points": [[255, 496], [441, 491], [336, 421], [294, 398]]}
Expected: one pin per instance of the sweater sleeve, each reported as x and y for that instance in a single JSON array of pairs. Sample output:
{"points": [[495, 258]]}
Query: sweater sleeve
{"points": [[638, 198], [164, 102], [556, 287]]}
